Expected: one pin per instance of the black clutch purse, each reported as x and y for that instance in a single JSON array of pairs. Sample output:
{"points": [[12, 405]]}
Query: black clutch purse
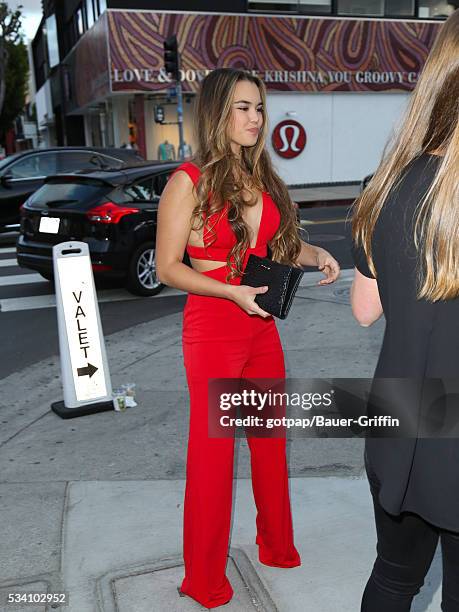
{"points": [[282, 281]]}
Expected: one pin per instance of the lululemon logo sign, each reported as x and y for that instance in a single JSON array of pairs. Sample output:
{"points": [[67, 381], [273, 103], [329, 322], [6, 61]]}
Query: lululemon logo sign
{"points": [[288, 138]]}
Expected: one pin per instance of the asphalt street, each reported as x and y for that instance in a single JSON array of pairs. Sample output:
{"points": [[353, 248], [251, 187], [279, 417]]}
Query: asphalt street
{"points": [[28, 323]]}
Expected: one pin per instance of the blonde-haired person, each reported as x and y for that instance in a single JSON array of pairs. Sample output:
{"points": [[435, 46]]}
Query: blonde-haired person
{"points": [[406, 230], [225, 333]]}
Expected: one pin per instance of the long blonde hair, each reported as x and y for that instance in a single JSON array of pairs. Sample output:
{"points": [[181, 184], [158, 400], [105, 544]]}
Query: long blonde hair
{"points": [[221, 179], [431, 123]]}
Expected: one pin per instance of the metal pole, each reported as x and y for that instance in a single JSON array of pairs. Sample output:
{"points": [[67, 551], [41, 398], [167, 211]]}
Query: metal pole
{"points": [[180, 118]]}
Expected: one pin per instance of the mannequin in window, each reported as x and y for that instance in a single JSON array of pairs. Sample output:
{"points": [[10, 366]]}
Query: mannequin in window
{"points": [[166, 151]]}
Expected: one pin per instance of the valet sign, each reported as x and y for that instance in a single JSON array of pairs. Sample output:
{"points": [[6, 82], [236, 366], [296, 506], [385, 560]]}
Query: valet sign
{"points": [[85, 375], [288, 138]]}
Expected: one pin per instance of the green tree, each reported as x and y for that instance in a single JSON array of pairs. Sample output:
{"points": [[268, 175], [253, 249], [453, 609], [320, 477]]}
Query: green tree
{"points": [[16, 75], [10, 25]]}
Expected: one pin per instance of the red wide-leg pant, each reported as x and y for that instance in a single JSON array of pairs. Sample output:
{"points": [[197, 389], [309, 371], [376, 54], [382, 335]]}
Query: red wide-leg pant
{"points": [[221, 341]]}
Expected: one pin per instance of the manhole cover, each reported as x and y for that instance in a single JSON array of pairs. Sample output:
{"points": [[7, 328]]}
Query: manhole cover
{"points": [[325, 237], [149, 587]]}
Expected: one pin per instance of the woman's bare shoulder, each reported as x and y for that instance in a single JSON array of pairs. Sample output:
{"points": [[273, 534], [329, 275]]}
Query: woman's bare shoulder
{"points": [[180, 185]]}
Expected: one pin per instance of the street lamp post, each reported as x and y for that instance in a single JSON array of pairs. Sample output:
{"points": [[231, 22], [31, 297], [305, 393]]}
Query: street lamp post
{"points": [[172, 66]]}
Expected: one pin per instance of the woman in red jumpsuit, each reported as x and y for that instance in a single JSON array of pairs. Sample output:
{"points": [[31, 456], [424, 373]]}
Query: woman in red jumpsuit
{"points": [[224, 206]]}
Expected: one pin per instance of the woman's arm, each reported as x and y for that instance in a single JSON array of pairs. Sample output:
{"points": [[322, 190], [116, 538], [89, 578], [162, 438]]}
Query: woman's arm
{"points": [[365, 301], [172, 234], [311, 255]]}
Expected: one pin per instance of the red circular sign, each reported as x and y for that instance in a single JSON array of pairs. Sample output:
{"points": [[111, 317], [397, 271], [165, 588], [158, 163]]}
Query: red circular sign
{"points": [[288, 138]]}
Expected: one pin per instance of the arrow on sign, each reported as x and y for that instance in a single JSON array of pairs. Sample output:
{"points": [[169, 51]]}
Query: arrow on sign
{"points": [[88, 370]]}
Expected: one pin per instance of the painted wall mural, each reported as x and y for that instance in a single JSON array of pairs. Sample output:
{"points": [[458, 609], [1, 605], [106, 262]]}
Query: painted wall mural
{"points": [[288, 53], [87, 74]]}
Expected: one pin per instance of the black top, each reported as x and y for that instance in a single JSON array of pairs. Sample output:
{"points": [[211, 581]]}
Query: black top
{"points": [[421, 341]]}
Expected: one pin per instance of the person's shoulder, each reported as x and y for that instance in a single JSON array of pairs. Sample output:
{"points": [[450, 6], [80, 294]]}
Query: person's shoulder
{"points": [[182, 182], [424, 161], [416, 176], [191, 169], [427, 157]]}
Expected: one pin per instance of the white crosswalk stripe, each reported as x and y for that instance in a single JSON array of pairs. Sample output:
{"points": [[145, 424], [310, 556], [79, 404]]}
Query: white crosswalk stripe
{"points": [[32, 302], [49, 301], [10, 303], [21, 279]]}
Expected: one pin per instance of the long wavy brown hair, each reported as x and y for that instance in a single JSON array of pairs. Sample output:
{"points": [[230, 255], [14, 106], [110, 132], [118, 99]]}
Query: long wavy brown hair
{"points": [[431, 123], [224, 175]]}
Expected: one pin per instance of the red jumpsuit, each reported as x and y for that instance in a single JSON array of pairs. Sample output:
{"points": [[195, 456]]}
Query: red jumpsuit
{"points": [[220, 340]]}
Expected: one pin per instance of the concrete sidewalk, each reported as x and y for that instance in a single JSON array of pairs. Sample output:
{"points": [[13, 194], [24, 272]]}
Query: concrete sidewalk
{"points": [[324, 193], [93, 506]]}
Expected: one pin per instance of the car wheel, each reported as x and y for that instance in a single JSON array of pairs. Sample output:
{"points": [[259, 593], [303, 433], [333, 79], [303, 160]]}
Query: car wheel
{"points": [[141, 279], [49, 276]]}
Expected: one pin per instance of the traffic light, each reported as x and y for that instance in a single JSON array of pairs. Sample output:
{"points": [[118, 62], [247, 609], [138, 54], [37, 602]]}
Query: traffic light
{"points": [[159, 114], [171, 57]]}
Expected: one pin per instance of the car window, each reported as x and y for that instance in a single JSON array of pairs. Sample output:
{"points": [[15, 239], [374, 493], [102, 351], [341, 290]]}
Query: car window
{"points": [[78, 190], [130, 155], [159, 182], [27, 167], [6, 161], [72, 161], [140, 191], [47, 163]]}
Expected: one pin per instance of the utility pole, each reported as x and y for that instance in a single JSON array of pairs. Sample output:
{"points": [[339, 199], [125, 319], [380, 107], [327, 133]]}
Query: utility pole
{"points": [[172, 67]]}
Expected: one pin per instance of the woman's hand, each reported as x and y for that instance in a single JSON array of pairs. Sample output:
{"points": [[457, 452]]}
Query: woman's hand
{"points": [[328, 265], [311, 255], [244, 296]]}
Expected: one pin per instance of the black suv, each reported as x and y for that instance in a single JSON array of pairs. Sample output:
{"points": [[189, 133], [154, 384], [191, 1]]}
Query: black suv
{"points": [[113, 211], [22, 173]]}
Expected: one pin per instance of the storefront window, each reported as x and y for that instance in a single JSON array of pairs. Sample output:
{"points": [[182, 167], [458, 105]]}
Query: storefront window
{"points": [[89, 13], [281, 6], [79, 22], [321, 7], [51, 38], [374, 8], [308, 7], [102, 6], [427, 9], [399, 8], [431, 9]]}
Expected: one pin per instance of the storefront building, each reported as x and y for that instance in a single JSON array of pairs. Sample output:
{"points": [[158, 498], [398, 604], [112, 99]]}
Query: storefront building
{"points": [[337, 84]]}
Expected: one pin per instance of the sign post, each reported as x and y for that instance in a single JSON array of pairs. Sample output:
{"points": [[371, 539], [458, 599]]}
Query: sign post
{"points": [[85, 376], [172, 67]]}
